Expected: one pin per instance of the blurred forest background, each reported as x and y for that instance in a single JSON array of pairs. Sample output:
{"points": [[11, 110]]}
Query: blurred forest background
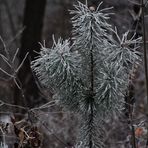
{"points": [[26, 108]]}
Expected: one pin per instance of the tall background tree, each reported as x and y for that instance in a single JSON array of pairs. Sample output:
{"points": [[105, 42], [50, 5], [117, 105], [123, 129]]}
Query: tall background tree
{"points": [[31, 36]]}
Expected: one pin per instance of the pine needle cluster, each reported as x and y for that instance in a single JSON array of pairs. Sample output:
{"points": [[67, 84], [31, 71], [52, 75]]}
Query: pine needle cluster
{"points": [[89, 76]]}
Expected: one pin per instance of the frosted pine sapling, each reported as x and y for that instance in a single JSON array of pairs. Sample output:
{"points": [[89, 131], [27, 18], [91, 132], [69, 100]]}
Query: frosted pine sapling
{"points": [[90, 75]]}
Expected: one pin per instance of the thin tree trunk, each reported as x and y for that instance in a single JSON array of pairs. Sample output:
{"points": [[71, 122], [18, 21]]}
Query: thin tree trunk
{"points": [[33, 23], [129, 99], [143, 7]]}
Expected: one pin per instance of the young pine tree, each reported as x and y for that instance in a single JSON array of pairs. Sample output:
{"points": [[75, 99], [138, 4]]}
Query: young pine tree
{"points": [[90, 75]]}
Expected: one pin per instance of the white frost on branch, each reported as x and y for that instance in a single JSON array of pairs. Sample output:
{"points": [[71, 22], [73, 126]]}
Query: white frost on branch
{"points": [[90, 76]]}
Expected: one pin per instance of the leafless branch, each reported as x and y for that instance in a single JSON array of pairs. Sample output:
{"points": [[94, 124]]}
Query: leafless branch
{"points": [[22, 63], [4, 45], [12, 105], [14, 57]]}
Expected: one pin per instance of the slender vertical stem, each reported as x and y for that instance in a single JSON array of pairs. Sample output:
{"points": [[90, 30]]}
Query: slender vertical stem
{"points": [[130, 115], [133, 134], [132, 129], [90, 126], [91, 101], [145, 58], [92, 91]]}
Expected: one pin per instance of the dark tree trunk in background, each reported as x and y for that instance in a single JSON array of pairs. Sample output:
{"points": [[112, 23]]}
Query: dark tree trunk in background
{"points": [[33, 23]]}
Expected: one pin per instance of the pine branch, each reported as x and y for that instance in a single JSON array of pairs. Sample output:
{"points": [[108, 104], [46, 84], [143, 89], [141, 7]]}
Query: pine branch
{"points": [[91, 76], [60, 67]]}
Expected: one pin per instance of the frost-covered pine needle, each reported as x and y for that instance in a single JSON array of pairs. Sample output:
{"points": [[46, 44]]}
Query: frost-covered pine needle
{"points": [[90, 76]]}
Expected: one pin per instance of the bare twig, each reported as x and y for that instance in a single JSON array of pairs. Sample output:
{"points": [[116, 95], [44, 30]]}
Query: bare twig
{"points": [[11, 76], [10, 63], [6, 60], [15, 71], [18, 85], [16, 36], [5, 49], [22, 62], [44, 106], [12, 105], [135, 3], [14, 57]]}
